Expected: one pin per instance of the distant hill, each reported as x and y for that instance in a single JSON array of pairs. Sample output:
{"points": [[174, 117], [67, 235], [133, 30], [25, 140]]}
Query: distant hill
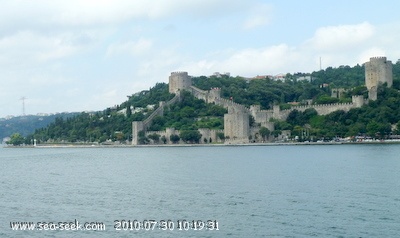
{"points": [[26, 125]]}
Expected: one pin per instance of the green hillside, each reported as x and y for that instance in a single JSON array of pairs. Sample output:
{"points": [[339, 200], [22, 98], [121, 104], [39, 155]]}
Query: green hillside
{"points": [[25, 125], [114, 124]]}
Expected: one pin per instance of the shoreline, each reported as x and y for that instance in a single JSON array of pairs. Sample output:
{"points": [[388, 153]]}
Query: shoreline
{"points": [[202, 145]]}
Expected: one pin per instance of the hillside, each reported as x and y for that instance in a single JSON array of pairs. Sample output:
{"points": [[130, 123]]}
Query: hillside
{"points": [[115, 124], [377, 119], [26, 125]]}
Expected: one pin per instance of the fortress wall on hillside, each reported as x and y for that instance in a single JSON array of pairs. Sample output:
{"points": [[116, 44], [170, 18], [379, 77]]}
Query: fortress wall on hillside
{"points": [[230, 104], [160, 110], [261, 116], [138, 126], [198, 93], [236, 121]]}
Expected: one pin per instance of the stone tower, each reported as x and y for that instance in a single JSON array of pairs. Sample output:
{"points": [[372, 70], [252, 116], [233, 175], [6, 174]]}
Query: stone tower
{"points": [[179, 81], [236, 124], [137, 126], [377, 71]]}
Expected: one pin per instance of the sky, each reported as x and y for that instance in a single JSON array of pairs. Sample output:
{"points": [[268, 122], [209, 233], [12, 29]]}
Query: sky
{"points": [[87, 55]]}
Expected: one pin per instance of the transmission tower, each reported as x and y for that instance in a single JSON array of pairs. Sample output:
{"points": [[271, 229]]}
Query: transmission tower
{"points": [[23, 105]]}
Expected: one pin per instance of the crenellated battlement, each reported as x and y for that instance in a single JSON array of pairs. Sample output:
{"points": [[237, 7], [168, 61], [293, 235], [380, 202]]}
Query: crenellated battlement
{"points": [[161, 133], [179, 73], [199, 91], [332, 105], [378, 58], [231, 105]]}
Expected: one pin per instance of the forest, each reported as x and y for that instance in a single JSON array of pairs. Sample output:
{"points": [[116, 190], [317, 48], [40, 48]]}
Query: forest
{"points": [[378, 119]]}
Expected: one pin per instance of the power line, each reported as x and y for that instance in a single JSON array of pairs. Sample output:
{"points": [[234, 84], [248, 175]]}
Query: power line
{"points": [[23, 105], [320, 64]]}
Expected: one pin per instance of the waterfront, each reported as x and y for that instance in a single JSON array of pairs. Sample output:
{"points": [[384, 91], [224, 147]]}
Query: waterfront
{"points": [[252, 191]]}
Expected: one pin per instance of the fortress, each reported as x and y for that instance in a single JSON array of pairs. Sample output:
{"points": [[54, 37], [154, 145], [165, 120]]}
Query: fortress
{"points": [[237, 127]]}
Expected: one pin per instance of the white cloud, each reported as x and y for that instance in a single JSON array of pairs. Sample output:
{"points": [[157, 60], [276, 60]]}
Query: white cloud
{"points": [[249, 62], [134, 48], [255, 21], [332, 38], [83, 55], [20, 14], [258, 16], [371, 52], [336, 45], [28, 48]]}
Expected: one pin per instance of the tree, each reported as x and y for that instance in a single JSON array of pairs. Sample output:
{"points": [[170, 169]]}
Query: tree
{"points": [[191, 113], [221, 135], [325, 99], [128, 111], [397, 131], [16, 139], [192, 136], [264, 132], [119, 136], [372, 128], [142, 138], [276, 133], [164, 139], [252, 121], [384, 129], [155, 137], [174, 138], [295, 118], [309, 113]]}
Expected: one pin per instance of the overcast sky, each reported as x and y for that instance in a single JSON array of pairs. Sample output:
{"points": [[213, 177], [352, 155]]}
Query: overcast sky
{"points": [[79, 55]]}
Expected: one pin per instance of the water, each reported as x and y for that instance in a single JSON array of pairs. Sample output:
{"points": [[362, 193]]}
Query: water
{"points": [[251, 191]]}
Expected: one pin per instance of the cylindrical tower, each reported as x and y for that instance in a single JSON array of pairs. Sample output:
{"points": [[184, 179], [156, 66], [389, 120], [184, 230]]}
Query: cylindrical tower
{"points": [[378, 71], [179, 81]]}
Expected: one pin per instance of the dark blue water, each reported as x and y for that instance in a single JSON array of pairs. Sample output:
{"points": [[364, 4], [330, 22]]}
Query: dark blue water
{"points": [[251, 191]]}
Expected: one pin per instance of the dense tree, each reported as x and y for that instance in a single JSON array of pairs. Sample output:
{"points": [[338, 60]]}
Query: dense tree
{"points": [[155, 137], [174, 138], [264, 132], [164, 139], [190, 136], [16, 139], [325, 99], [190, 114]]}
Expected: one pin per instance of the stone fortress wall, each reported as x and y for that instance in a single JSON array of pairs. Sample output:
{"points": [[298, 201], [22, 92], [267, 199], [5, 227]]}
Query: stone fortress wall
{"points": [[322, 109], [337, 92], [206, 134], [138, 126], [236, 122]]}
